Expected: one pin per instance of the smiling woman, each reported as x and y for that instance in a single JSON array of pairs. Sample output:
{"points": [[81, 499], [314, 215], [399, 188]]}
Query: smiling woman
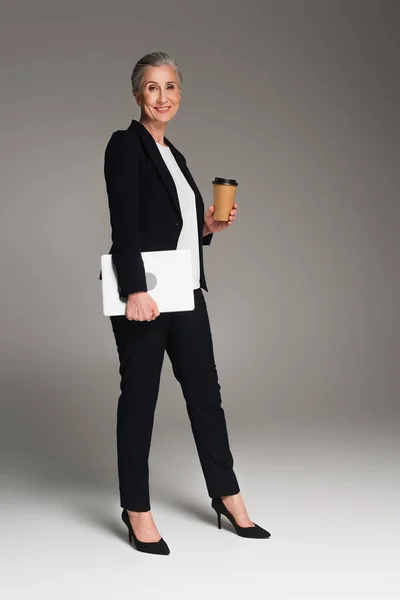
{"points": [[155, 205], [157, 89]]}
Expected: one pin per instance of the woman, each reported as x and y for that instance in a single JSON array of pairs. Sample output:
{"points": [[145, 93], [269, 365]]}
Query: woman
{"points": [[155, 205]]}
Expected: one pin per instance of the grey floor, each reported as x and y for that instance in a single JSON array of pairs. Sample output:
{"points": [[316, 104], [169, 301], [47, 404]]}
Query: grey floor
{"points": [[328, 495]]}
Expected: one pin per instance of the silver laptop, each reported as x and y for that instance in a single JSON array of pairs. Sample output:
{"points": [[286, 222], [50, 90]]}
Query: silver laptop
{"points": [[169, 281]]}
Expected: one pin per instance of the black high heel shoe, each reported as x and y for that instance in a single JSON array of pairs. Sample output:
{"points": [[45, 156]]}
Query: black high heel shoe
{"points": [[248, 532], [159, 547]]}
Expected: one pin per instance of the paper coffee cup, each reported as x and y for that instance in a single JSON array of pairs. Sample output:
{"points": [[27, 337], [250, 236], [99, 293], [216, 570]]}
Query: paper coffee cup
{"points": [[224, 191]]}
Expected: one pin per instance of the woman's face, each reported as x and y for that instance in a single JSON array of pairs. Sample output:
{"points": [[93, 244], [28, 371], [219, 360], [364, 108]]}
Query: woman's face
{"points": [[160, 89]]}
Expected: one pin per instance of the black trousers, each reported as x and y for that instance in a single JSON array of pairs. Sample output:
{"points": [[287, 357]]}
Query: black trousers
{"points": [[186, 336]]}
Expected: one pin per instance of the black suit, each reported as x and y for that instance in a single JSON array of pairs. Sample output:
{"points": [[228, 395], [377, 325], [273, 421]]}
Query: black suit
{"points": [[134, 168], [145, 216]]}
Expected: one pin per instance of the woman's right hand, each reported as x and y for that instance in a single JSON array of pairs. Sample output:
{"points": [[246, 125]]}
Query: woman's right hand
{"points": [[140, 306]]}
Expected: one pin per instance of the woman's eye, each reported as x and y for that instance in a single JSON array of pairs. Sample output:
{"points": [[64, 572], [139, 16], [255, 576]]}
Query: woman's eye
{"points": [[153, 87]]}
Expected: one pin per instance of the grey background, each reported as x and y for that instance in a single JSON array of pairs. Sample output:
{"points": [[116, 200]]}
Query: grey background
{"points": [[299, 101]]}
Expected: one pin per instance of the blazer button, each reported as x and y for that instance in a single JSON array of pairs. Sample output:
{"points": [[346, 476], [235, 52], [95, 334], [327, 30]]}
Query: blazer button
{"points": [[177, 224]]}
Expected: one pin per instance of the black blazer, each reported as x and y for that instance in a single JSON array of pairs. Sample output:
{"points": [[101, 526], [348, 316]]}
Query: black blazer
{"points": [[144, 206]]}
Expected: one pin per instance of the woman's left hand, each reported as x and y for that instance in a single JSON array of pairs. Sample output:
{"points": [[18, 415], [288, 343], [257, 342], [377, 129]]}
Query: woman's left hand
{"points": [[212, 225]]}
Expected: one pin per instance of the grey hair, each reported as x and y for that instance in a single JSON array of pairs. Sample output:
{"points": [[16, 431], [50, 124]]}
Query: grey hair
{"points": [[155, 59]]}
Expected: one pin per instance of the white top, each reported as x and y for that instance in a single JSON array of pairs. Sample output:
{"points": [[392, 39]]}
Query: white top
{"points": [[189, 237]]}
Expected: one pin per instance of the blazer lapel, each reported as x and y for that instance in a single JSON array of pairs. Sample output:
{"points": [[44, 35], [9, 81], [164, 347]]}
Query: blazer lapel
{"points": [[159, 163], [183, 167]]}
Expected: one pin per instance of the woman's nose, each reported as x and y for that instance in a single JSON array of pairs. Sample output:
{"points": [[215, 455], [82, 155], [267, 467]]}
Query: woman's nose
{"points": [[162, 96]]}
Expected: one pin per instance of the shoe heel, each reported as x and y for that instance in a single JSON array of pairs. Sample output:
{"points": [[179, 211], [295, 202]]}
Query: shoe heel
{"points": [[130, 536], [219, 520]]}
